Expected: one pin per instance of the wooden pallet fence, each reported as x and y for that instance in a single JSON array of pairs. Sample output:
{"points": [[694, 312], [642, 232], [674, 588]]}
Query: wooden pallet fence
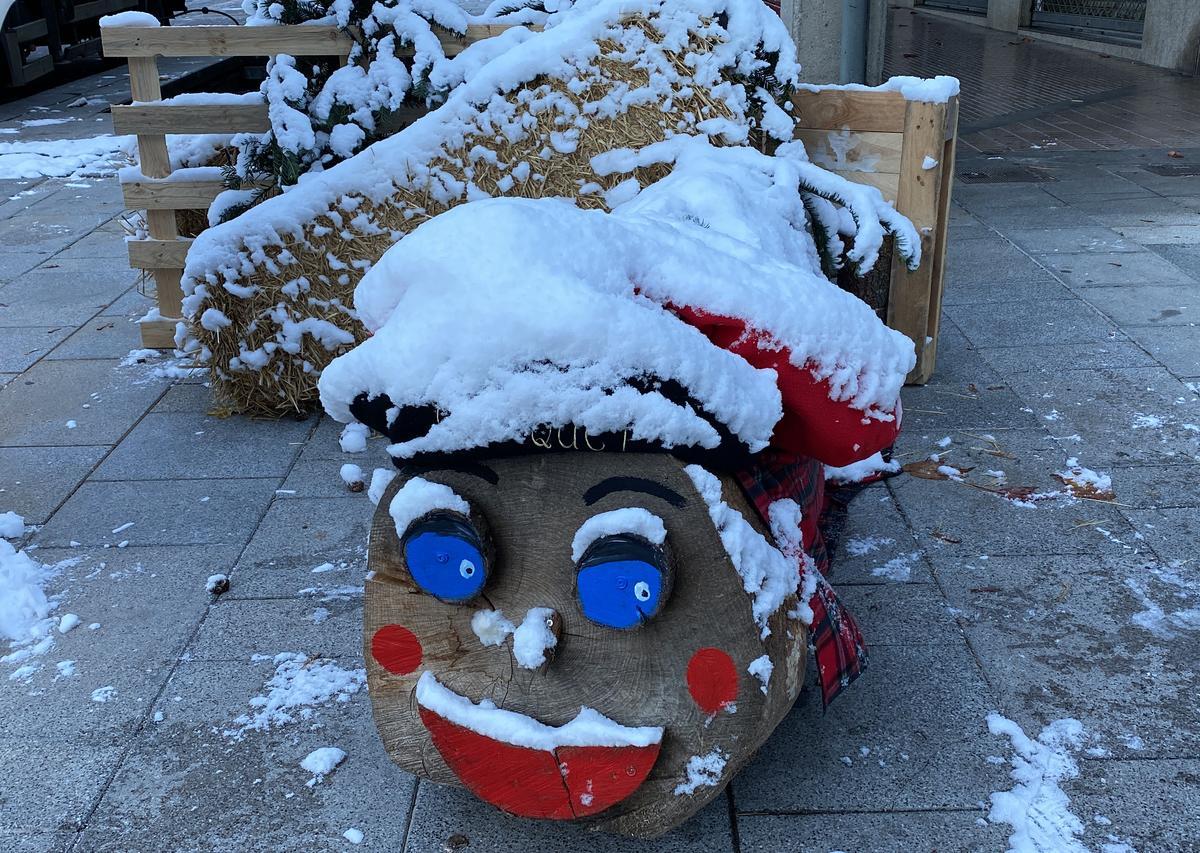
{"points": [[882, 139], [160, 192]]}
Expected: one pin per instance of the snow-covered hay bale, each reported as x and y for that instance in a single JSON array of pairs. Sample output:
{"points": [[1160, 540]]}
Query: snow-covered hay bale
{"points": [[268, 294]]}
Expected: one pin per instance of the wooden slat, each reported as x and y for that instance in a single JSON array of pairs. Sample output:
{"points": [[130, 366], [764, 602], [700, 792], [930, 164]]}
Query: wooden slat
{"points": [[152, 254], [879, 151], [191, 118], [297, 40], [834, 109], [928, 360], [909, 299], [888, 184], [170, 195], [158, 334], [155, 162]]}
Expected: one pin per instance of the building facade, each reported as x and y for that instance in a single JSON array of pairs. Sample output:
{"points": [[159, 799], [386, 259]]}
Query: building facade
{"points": [[1165, 33]]}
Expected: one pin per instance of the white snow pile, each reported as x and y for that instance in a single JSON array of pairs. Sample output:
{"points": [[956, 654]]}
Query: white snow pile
{"points": [[12, 526], [353, 438], [768, 576], [129, 19], [588, 728], [94, 156], [864, 469], [381, 478], [321, 762], [419, 497], [761, 668], [491, 627], [725, 233], [703, 771], [1036, 808], [534, 638], [785, 517], [23, 603], [634, 520], [937, 90], [300, 684]]}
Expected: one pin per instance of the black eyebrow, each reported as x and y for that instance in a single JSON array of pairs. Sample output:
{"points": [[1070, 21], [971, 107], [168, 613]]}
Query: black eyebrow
{"points": [[475, 469], [632, 484]]}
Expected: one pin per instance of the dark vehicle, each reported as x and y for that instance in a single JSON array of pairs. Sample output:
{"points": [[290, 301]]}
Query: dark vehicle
{"points": [[38, 37]]}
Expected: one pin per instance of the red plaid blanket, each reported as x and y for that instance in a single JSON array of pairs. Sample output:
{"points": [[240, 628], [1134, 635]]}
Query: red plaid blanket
{"points": [[840, 651]]}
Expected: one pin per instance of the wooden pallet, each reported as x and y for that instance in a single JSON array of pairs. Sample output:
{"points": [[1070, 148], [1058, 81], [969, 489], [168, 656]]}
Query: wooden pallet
{"points": [[891, 136], [162, 254], [880, 128]]}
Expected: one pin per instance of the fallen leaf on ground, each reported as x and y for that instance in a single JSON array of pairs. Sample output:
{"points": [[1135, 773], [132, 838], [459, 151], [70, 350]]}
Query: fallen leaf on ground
{"points": [[927, 469], [1086, 490]]}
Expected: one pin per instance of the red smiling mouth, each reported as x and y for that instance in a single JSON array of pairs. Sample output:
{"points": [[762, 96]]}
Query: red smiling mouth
{"points": [[532, 770]]}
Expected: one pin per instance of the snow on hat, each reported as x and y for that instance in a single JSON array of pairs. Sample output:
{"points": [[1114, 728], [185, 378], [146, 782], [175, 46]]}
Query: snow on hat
{"points": [[693, 319]]}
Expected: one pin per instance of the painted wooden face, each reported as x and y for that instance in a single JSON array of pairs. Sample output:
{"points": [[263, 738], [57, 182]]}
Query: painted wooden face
{"points": [[657, 637]]}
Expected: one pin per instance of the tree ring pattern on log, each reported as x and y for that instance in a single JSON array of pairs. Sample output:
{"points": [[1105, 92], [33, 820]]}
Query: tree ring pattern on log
{"points": [[685, 670]]}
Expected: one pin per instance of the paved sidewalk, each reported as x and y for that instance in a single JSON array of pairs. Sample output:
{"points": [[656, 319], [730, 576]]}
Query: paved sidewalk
{"points": [[1069, 331]]}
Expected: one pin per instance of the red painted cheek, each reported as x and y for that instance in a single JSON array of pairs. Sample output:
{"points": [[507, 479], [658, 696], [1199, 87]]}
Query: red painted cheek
{"points": [[397, 649], [712, 680]]}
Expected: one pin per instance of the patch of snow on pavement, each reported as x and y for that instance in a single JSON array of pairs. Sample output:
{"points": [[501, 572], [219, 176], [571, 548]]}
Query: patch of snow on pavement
{"points": [[12, 526], [1036, 807], [898, 568], [25, 609], [65, 158], [321, 762], [1155, 618], [299, 685], [860, 546]]}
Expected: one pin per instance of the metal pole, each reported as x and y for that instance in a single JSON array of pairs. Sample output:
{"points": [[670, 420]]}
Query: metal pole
{"points": [[853, 68]]}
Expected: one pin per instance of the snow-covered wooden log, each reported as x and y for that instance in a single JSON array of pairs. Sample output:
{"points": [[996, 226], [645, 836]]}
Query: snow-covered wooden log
{"points": [[545, 665]]}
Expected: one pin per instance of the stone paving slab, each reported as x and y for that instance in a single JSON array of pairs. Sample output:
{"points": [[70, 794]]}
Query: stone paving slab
{"points": [[1009, 361], [24, 346], [442, 812], [237, 629], [1047, 321], [1175, 347], [1149, 305], [100, 398], [901, 832], [181, 445], [48, 297], [165, 512], [101, 337], [146, 604], [186, 780], [1105, 269], [1069, 240], [1057, 639], [1151, 804], [921, 719], [36, 480], [296, 536], [1122, 417]]}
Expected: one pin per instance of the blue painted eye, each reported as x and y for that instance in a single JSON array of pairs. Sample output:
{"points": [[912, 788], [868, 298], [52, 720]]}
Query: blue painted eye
{"points": [[444, 554], [622, 581]]}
